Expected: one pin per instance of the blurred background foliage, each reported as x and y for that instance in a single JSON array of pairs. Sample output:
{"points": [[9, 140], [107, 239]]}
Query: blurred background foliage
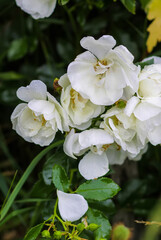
{"points": [[42, 49]]}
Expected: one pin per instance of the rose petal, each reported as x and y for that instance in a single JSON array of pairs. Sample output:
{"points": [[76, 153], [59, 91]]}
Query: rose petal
{"points": [[71, 206], [130, 106], [98, 47], [93, 165], [94, 137], [36, 90]]}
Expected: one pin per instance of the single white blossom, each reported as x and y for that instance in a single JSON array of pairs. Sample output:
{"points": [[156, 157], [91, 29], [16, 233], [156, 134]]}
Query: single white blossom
{"points": [[103, 74], [80, 110], [95, 163], [40, 117], [125, 130], [71, 206], [37, 8]]}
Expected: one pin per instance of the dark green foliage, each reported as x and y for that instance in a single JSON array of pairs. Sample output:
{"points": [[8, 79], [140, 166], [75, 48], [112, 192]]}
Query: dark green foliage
{"points": [[100, 189], [60, 178], [34, 232], [104, 231]]}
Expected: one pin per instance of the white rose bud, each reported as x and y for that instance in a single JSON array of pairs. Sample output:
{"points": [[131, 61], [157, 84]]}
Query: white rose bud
{"points": [[40, 117], [37, 8]]}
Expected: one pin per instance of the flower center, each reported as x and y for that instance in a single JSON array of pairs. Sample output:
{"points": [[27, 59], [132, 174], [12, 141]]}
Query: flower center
{"points": [[101, 67], [39, 119], [76, 100]]}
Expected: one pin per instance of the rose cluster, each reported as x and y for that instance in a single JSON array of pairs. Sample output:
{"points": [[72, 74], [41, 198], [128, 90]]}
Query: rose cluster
{"points": [[109, 107]]}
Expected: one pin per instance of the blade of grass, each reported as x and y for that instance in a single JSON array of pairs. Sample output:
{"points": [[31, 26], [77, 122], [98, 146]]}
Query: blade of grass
{"points": [[23, 179], [3, 185], [9, 189], [31, 200], [15, 214]]}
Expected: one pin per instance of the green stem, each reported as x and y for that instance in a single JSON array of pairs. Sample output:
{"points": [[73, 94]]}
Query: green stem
{"points": [[55, 208], [60, 220], [71, 174], [25, 176]]}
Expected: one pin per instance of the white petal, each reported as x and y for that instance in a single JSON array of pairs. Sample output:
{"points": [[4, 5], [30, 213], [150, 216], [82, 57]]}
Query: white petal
{"points": [[130, 106], [140, 154], [71, 144], [17, 112], [94, 137], [71, 206], [93, 166], [27, 124], [64, 81], [63, 115], [116, 156], [155, 136], [36, 90], [87, 57], [98, 47], [124, 53], [145, 111], [44, 137], [41, 106]]}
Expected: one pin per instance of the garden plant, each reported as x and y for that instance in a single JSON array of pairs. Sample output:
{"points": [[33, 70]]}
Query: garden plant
{"points": [[80, 119]]}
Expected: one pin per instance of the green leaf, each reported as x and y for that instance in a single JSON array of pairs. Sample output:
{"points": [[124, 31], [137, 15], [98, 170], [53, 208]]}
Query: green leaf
{"points": [[144, 3], [60, 178], [148, 62], [130, 5], [18, 49], [100, 189], [34, 232], [63, 2], [11, 76], [16, 213], [41, 190], [107, 206], [58, 157], [97, 217], [25, 176]]}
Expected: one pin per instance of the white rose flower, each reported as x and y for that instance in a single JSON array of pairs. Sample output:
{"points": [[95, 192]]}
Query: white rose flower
{"points": [[37, 8], [146, 106], [71, 206], [40, 117], [125, 130], [102, 74], [95, 163], [80, 110]]}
